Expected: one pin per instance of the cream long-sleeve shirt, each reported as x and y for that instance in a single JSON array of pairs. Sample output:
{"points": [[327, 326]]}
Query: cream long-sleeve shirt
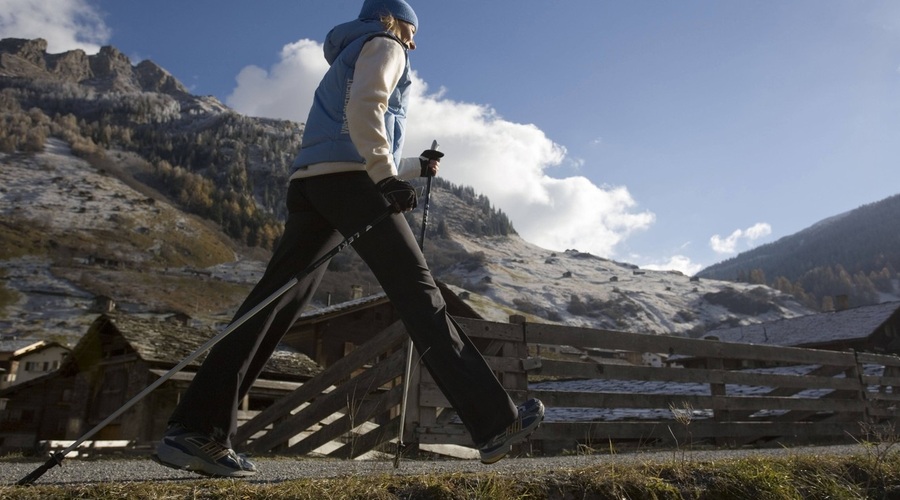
{"points": [[378, 69]]}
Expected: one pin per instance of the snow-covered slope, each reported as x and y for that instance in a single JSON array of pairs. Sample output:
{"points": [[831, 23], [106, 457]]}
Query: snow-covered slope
{"points": [[69, 226], [508, 275], [523, 278]]}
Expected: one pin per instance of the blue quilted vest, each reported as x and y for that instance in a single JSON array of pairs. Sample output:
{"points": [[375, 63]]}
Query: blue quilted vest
{"points": [[326, 137]]}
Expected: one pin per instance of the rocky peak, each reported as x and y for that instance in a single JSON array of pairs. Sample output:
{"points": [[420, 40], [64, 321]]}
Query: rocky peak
{"points": [[32, 51], [153, 78], [109, 62], [73, 65], [109, 69], [22, 58]]}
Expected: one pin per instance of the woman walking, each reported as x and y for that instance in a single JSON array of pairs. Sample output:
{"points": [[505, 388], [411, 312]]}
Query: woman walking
{"points": [[349, 169]]}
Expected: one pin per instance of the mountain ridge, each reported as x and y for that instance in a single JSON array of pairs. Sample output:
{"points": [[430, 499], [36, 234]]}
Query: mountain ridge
{"points": [[855, 253], [108, 70]]}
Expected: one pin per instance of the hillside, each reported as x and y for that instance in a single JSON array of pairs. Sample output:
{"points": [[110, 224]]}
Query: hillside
{"points": [[72, 234], [212, 161], [856, 254], [502, 275], [118, 184]]}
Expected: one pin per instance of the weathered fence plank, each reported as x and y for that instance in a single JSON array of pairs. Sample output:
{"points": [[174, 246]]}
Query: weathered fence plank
{"points": [[640, 342], [578, 369], [365, 411], [665, 401], [332, 402], [389, 338]]}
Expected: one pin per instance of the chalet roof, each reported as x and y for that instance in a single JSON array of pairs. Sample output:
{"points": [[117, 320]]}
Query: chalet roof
{"points": [[13, 346], [168, 343], [457, 306], [813, 330], [16, 348], [344, 307]]}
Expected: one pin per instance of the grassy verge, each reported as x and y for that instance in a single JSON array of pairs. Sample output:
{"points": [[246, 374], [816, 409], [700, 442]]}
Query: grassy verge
{"points": [[788, 478]]}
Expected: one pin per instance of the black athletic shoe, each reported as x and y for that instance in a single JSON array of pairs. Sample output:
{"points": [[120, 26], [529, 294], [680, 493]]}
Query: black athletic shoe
{"points": [[531, 413], [186, 450]]}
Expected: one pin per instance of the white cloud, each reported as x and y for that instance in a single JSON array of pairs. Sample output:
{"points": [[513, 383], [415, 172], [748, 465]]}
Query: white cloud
{"points": [[65, 24], [505, 161], [676, 263], [757, 231], [729, 244], [286, 91]]}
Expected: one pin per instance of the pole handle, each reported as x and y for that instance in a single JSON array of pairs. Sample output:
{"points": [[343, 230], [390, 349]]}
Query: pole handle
{"points": [[432, 154]]}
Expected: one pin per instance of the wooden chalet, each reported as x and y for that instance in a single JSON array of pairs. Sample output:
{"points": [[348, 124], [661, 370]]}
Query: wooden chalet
{"points": [[22, 360], [874, 329], [116, 359]]}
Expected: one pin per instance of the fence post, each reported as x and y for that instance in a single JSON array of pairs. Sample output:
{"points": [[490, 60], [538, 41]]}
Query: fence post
{"points": [[516, 380], [717, 389], [857, 370], [416, 416]]}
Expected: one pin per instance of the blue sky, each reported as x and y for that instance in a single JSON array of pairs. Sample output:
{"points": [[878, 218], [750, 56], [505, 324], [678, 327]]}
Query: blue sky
{"points": [[668, 134]]}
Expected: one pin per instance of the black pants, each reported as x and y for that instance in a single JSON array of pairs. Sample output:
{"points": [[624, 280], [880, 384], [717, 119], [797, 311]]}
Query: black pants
{"points": [[321, 210]]}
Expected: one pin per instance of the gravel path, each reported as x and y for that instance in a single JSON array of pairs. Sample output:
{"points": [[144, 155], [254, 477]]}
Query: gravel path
{"points": [[273, 470]]}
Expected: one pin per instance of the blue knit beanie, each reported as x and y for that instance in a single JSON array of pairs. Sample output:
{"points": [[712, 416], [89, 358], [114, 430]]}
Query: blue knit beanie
{"points": [[374, 9]]}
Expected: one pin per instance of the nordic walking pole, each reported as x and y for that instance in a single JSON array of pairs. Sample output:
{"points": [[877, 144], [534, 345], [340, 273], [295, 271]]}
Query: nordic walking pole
{"points": [[57, 458], [432, 154]]}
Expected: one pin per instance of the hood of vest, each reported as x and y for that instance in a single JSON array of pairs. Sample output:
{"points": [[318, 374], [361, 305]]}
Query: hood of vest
{"points": [[343, 35]]}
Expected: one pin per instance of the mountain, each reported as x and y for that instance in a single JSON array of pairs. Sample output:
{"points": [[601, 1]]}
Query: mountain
{"points": [[119, 186], [854, 254], [107, 71]]}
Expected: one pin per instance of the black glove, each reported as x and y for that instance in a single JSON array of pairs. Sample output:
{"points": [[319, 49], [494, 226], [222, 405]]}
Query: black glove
{"points": [[425, 158], [399, 193]]}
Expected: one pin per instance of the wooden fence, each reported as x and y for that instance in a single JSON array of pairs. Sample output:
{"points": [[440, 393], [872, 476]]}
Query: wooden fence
{"points": [[727, 393]]}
